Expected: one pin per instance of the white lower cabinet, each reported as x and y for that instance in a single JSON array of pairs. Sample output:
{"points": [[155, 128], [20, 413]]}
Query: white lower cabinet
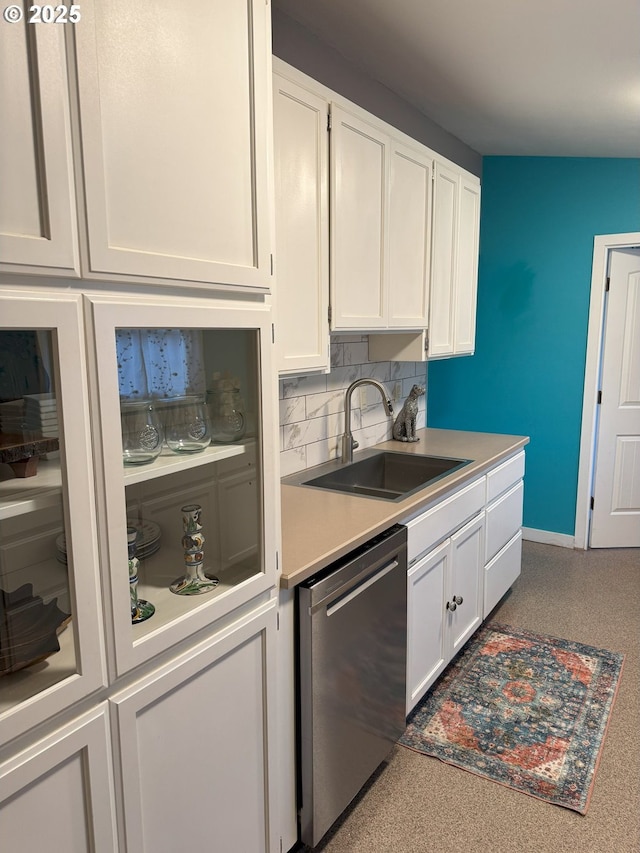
{"points": [[58, 794], [196, 746], [444, 605], [502, 572], [464, 554], [426, 654], [464, 601], [503, 541]]}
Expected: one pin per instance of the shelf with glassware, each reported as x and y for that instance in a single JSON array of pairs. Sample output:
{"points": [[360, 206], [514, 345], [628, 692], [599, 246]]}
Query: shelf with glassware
{"points": [[182, 410], [51, 651]]}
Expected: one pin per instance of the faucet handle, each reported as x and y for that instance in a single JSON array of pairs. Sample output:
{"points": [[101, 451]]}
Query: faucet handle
{"points": [[355, 444]]}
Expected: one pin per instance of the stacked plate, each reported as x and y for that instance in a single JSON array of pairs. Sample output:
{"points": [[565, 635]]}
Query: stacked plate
{"points": [[148, 540], [41, 414], [148, 537]]}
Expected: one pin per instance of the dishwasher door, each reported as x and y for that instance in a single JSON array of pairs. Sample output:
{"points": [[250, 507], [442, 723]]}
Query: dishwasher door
{"points": [[352, 673]]}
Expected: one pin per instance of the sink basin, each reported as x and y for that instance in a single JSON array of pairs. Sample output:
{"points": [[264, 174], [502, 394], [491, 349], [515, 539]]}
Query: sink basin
{"points": [[385, 474]]}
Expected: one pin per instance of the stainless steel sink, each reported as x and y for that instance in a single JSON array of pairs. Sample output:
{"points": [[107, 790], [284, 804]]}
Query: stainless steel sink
{"points": [[382, 474]]}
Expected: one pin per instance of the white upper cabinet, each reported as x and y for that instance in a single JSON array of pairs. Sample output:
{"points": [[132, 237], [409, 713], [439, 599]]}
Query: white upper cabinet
{"points": [[302, 227], [174, 125], [454, 275], [409, 237], [467, 265], [380, 225], [403, 233], [359, 210], [37, 211]]}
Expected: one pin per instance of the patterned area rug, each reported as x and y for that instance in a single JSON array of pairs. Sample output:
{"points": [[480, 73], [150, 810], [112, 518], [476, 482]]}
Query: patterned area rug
{"points": [[522, 709]]}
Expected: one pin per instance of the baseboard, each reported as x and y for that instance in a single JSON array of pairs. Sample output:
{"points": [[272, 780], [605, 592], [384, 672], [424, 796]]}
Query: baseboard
{"points": [[548, 537]]}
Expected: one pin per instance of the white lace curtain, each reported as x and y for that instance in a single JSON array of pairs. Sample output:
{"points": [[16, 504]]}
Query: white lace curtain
{"points": [[159, 363]]}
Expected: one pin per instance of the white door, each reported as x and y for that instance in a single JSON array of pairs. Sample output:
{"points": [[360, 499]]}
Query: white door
{"points": [[615, 520]]}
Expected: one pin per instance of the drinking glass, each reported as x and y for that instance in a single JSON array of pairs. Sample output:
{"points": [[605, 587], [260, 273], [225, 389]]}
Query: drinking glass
{"points": [[142, 434], [187, 427]]}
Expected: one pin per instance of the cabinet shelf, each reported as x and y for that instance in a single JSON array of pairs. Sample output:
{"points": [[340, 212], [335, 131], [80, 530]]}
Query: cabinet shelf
{"points": [[20, 495], [169, 463], [20, 686], [154, 587]]}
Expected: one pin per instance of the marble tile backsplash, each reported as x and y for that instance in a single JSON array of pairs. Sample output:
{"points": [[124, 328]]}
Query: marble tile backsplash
{"points": [[312, 406]]}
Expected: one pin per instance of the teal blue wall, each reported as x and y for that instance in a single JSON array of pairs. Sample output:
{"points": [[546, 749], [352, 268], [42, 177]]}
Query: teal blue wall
{"points": [[538, 219]]}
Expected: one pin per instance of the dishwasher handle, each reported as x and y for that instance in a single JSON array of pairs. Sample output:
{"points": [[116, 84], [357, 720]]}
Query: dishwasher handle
{"points": [[340, 597]]}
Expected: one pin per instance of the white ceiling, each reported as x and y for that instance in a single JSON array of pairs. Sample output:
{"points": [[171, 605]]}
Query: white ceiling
{"points": [[559, 78]]}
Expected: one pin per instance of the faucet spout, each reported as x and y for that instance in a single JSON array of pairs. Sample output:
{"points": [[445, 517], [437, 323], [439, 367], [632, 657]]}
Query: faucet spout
{"points": [[348, 442]]}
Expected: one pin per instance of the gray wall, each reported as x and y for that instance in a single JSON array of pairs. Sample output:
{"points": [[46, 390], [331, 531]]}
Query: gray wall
{"points": [[300, 48]]}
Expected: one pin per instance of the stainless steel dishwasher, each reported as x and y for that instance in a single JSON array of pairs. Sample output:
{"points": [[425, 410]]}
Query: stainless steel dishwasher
{"points": [[352, 623]]}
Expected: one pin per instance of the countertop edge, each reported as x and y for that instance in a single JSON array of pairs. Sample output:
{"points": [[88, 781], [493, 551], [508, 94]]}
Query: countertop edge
{"points": [[381, 520]]}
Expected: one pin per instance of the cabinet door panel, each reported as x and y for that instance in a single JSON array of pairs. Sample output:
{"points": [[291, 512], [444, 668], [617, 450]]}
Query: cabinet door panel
{"points": [[445, 216], [196, 750], [238, 499], [466, 579], [467, 268], [409, 238], [174, 128], [505, 475], [37, 211], [425, 622], [50, 620], [502, 572], [302, 226], [359, 205], [504, 519], [58, 795], [431, 526]]}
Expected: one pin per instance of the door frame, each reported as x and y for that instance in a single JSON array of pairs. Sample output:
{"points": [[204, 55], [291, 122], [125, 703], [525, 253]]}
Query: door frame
{"points": [[603, 245]]}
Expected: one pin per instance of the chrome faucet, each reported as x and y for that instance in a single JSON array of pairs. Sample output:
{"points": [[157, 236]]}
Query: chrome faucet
{"points": [[348, 441]]}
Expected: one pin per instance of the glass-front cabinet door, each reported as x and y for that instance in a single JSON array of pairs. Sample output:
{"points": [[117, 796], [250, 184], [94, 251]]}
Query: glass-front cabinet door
{"points": [[188, 437], [50, 619]]}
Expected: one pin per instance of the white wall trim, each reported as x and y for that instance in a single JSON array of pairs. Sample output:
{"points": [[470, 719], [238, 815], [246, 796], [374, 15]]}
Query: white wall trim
{"points": [[602, 245], [548, 537]]}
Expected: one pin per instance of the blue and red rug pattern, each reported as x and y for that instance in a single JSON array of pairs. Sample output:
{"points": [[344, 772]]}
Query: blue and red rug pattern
{"points": [[522, 709]]}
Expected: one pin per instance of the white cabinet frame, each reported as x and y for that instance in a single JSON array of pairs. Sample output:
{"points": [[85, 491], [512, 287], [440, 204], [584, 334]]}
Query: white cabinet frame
{"points": [[454, 270], [301, 153], [62, 314], [74, 761], [141, 794], [106, 313], [37, 215], [149, 241]]}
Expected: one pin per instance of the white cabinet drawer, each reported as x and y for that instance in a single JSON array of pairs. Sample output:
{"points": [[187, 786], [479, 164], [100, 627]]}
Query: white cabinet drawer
{"points": [[430, 527], [504, 519], [504, 476], [501, 572]]}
